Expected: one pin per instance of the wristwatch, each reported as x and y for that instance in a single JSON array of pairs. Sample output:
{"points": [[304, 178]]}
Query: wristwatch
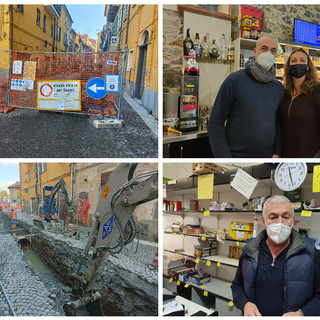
{"points": [[301, 313]]}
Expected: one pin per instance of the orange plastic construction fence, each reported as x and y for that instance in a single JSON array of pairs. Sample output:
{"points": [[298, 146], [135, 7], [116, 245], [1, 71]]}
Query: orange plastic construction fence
{"points": [[34, 67]]}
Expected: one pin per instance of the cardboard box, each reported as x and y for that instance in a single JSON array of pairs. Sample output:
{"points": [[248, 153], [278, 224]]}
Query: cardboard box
{"points": [[243, 226], [197, 279], [239, 235], [201, 168], [190, 230]]}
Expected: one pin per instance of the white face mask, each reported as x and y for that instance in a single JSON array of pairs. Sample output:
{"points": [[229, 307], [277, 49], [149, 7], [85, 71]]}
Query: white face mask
{"points": [[278, 232], [266, 60]]}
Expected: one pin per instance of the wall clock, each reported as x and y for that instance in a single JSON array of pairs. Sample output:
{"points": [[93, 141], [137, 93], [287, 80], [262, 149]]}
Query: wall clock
{"points": [[290, 175]]}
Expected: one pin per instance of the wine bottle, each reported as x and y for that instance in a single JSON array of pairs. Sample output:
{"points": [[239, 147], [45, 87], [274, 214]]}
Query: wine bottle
{"points": [[204, 48], [197, 46], [230, 50], [223, 47], [213, 50], [187, 44]]}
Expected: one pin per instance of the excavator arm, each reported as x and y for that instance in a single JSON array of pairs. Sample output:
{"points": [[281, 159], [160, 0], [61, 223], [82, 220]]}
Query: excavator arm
{"points": [[113, 214]]}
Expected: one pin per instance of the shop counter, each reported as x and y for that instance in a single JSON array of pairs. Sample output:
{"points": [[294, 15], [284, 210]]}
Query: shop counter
{"points": [[191, 144], [219, 293], [190, 306]]}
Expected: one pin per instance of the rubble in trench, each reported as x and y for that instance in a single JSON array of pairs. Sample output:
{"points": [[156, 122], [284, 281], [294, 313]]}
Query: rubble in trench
{"points": [[128, 281]]}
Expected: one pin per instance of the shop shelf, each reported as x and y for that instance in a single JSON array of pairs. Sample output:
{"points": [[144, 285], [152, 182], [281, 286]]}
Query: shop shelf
{"points": [[216, 258], [213, 60], [216, 286], [201, 213]]}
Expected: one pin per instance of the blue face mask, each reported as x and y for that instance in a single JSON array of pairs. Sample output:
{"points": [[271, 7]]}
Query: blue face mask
{"points": [[298, 70]]}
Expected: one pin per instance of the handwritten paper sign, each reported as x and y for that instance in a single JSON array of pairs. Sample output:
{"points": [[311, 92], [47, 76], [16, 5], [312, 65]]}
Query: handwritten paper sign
{"points": [[244, 183]]}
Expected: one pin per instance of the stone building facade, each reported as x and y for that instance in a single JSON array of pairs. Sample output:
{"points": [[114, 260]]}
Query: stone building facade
{"points": [[278, 20]]}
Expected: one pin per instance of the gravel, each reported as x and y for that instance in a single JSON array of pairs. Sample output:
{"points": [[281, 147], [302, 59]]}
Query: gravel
{"points": [[27, 133]]}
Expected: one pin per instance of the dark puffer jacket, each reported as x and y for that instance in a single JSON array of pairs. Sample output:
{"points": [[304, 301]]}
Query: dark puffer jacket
{"points": [[301, 278]]}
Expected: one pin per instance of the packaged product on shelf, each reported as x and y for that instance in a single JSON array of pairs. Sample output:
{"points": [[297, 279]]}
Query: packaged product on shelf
{"points": [[198, 278], [234, 252], [194, 205], [226, 206], [214, 206], [239, 235], [175, 205], [255, 22], [166, 205], [176, 226], [246, 32], [254, 34], [243, 226], [201, 252], [259, 34], [247, 21], [189, 229], [191, 68], [177, 267]]}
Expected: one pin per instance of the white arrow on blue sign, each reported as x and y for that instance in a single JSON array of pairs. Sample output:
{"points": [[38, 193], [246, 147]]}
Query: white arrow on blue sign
{"points": [[96, 88]]}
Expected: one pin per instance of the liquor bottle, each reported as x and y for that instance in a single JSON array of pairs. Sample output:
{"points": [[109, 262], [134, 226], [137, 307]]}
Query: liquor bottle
{"points": [[187, 44], [197, 46], [213, 50], [204, 48], [223, 47], [230, 50]]}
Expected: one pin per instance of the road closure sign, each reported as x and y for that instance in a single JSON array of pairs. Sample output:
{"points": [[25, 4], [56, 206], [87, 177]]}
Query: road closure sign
{"points": [[59, 95]]}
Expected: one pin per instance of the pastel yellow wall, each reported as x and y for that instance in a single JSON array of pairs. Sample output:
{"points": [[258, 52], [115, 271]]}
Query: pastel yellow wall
{"points": [[99, 41], [27, 35], [143, 17], [55, 171]]}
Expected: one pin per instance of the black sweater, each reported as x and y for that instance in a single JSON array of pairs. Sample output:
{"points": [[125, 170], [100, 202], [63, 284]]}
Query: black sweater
{"points": [[250, 109]]}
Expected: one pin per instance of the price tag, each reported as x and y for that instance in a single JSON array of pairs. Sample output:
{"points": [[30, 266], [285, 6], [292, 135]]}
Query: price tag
{"points": [[218, 264], [208, 263], [174, 234], [238, 244], [197, 260], [182, 236], [231, 304], [203, 286], [170, 280], [206, 213], [305, 213], [203, 238], [229, 283], [178, 283], [187, 285], [177, 255], [205, 293]]}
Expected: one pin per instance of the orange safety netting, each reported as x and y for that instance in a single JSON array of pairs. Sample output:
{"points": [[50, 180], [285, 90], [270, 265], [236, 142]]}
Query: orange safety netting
{"points": [[63, 67]]}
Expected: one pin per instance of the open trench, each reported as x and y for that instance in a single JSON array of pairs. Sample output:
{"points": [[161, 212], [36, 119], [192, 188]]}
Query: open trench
{"points": [[128, 288]]}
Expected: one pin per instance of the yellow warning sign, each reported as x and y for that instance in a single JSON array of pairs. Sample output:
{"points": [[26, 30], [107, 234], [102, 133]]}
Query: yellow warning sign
{"points": [[105, 192]]}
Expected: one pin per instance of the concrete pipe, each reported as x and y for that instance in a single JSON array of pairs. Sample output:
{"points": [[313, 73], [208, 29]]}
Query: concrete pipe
{"points": [[24, 242]]}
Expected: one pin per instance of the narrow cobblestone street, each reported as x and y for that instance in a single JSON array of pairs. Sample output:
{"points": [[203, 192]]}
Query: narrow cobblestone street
{"points": [[130, 280], [32, 134], [26, 291]]}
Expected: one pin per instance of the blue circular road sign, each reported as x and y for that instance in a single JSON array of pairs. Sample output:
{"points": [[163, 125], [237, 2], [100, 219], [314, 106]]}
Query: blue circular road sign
{"points": [[96, 88]]}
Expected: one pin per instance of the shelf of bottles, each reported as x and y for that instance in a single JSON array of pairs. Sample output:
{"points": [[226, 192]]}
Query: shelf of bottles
{"points": [[205, 52]]}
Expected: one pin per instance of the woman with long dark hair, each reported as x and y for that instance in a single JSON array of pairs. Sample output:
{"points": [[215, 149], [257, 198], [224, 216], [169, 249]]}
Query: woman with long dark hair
{"points": [[300, 111]]}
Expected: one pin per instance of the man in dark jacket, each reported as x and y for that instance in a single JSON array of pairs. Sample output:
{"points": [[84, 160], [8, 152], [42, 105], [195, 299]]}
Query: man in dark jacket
{"points": [[243, 118], [279, 271]]}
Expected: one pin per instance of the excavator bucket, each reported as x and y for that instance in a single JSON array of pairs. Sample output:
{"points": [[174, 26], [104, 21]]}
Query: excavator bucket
{"points": [[38, 223]]}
